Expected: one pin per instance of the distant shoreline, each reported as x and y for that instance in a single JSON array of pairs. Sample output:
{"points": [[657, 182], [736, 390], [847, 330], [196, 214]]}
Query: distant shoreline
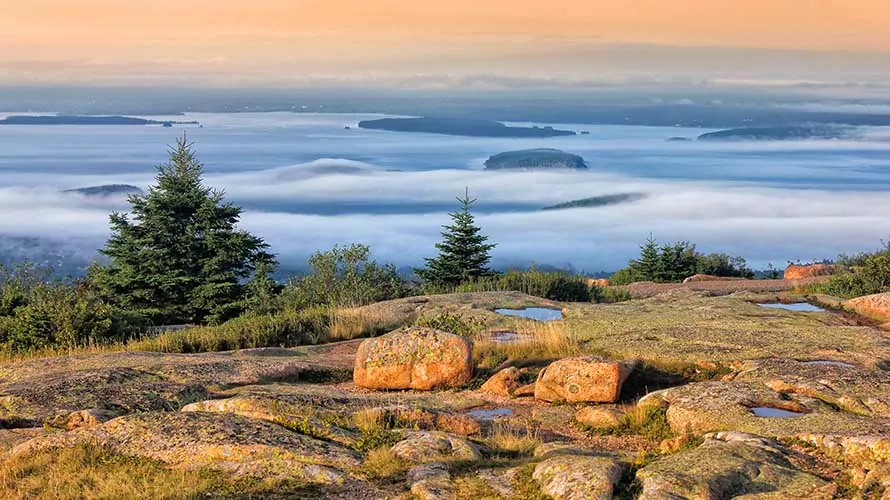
{"points": [[88, 120]]}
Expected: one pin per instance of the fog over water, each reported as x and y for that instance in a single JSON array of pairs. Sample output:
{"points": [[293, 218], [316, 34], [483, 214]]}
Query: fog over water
{"points": [[307, 183]]}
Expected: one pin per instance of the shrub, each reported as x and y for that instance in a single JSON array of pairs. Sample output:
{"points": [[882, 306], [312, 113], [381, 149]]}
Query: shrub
{"points": [[676, 262], [345, 276], [558, 286], [454, 323]]}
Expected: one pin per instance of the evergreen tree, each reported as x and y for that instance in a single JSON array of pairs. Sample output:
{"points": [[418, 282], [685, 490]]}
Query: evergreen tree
{"points": [[463, 251], [647, 266], [178, 255]]}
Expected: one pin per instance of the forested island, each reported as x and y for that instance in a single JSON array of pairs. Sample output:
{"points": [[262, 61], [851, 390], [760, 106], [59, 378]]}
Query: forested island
{"points": [[598, 201], [535, 159], [106, 190], [86, 120], [779, 133], [460, 126]]}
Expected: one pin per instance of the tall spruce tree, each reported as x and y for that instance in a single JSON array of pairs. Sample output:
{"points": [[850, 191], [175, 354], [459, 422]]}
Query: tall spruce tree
{"points": [[178, 256], [463, 251]]}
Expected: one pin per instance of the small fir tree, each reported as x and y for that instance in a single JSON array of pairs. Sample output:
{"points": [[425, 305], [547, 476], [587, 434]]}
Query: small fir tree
{"points": [[178, 256], [463, 252]]}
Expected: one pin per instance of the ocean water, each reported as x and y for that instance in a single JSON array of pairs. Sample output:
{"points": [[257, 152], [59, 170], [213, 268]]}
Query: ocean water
{"points": [[307, 182]]}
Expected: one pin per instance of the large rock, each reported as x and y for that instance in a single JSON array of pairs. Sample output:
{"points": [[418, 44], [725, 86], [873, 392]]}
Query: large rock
{"points": [[873, 306], [583, 379], [600, 418], [414, 358], [431, 482], [503, 383], [194, 440], [578, 477], [794, 272], [730, 465], [425, 447]]}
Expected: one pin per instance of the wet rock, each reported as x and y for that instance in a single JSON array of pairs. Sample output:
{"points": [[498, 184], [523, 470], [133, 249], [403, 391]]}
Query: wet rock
{"points": [[600, 418], [572, 477], [234, 443], [431, 481], [414, 358], [851, 388], [729, 465], [425, 447], [583, 379], [503, 383], [727, 406]]}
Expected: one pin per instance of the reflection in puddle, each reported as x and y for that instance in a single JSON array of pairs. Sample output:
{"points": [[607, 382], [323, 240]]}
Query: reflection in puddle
{"points": [[535, 313], [767, 412], [490, 414], [797, 307], [839, 364]]}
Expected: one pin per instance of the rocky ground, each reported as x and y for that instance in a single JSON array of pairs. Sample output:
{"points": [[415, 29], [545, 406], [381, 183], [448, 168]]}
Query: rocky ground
{"points": [[682, 395]]}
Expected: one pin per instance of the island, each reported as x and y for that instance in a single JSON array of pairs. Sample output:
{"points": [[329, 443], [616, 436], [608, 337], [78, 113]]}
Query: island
{"points": [[778, 133], [87, 120], [461, 127], [598, 201], [535, 159], [106, 190]]}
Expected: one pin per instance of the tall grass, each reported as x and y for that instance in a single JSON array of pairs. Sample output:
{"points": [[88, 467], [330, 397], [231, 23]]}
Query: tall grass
{"points": [[563, 287], [286, 329], [538, 341]]}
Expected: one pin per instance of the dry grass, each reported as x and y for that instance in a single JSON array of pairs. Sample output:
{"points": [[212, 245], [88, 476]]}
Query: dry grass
{"points": [[513, 441], [96, 473], [382, 463], [306, 327], [540, 341]]}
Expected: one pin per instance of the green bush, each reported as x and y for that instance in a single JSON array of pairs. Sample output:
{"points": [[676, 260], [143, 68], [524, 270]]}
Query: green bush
{"points": [[37, 312], [558, 286], [345, 276], [454, 323]]}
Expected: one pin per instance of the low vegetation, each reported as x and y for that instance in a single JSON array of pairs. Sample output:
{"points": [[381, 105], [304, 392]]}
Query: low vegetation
{"points": [[869, 274], [676, 262], [89, 471]]}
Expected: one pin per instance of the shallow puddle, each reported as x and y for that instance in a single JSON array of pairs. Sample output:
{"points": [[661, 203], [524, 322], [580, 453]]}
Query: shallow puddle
{"points": [[826, 362], [767, 412], [535, 313], [490, 414], [797, 307]]}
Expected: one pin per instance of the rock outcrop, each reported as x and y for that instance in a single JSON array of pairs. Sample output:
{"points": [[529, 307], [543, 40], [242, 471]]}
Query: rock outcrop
{"points": [[579, 477], [425, 447], [730, 465], [873, 306], [583, 379], [795, 272], [414, 358], [698, 278], [504, 382], [190, 440], [600, 418]]}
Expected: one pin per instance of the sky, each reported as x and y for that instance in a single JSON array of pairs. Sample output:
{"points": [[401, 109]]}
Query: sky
{"points": [[229, 42]]}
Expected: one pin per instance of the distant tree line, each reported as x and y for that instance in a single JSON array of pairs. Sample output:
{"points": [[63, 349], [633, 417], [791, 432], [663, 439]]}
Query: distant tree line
{"points": [[675, 262]]}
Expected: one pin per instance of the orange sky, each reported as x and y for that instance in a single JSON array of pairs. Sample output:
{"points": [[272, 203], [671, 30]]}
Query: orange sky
{"points": [[324, 35]]}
